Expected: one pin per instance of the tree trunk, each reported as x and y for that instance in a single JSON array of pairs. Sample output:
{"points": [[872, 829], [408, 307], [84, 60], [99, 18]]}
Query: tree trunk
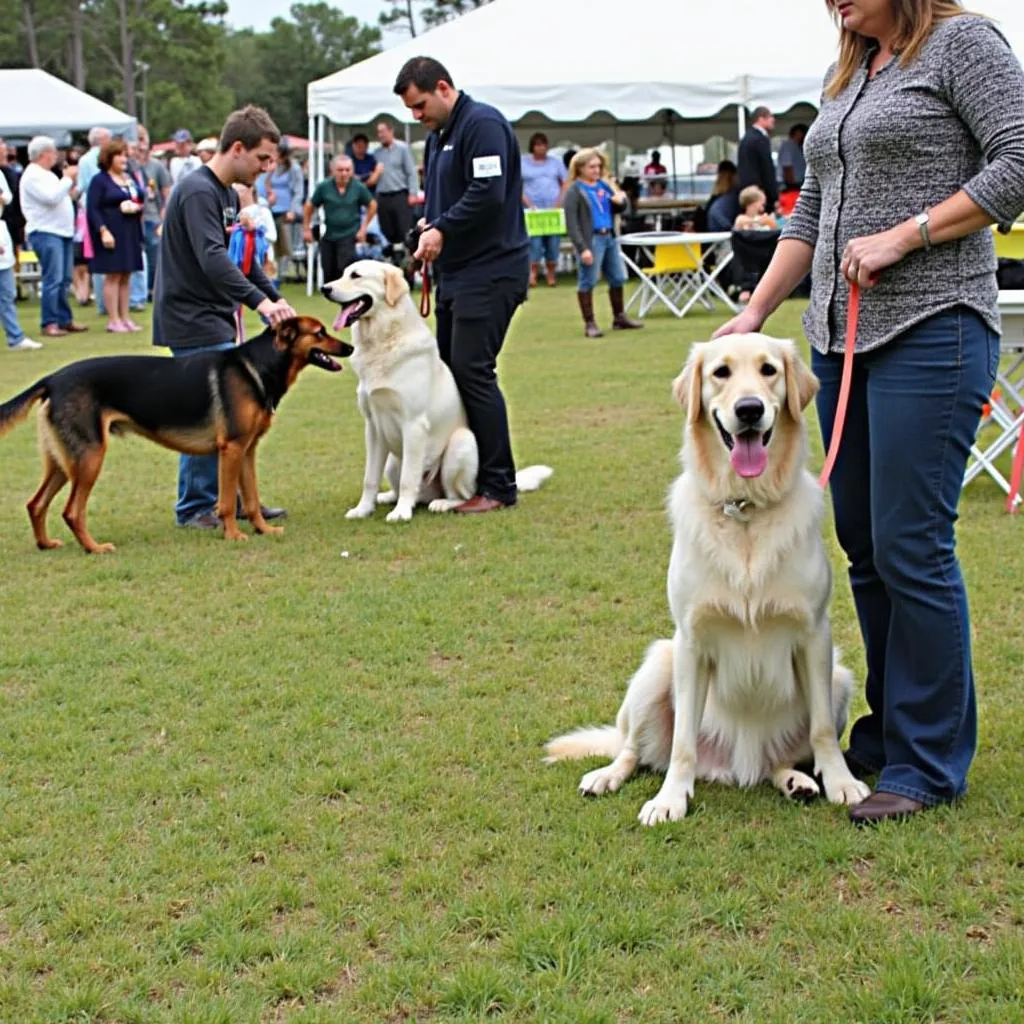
{"points": [[127, 57], [77, 46], [29, 18], [411, 16]]}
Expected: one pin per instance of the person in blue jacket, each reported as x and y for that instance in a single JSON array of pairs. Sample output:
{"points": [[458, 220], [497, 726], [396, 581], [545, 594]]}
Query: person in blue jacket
{"points": [[474, 238]]}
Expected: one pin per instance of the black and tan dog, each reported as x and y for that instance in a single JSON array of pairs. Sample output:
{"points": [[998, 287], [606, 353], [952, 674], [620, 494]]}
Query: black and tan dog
{"points": [[210, 402]]}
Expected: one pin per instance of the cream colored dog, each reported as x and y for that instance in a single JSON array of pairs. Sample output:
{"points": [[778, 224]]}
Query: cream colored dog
{"points": [[749, 687], [416, 428]]}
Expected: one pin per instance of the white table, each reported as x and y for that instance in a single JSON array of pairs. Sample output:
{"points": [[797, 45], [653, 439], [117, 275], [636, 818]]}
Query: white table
{"points": [[1006, 408], [679, 290]]}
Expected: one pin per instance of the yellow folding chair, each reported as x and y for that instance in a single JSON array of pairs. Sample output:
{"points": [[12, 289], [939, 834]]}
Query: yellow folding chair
{"points": [[28, 272], [676, 273]]}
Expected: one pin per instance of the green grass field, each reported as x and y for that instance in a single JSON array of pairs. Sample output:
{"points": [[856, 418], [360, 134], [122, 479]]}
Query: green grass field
{"points": [[299, 779]]}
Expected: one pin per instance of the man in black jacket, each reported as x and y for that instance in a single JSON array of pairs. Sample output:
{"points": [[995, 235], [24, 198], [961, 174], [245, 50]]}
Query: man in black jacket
{"points": [[756, 165], [198, 288], [474, 238]]}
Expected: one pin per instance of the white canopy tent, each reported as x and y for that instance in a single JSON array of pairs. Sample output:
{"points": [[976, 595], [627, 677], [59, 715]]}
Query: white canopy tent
{"points": [[37, 103]]}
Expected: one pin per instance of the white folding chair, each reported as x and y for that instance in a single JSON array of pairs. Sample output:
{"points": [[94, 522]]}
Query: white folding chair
{"points": [[1002, 425]]}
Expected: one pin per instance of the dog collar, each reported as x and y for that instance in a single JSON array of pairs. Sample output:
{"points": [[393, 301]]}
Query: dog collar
{"points": [[738, 509]]}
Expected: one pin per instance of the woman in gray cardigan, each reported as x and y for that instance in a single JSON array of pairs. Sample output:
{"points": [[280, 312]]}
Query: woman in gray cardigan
{"points": [[591, 202], [917, 149]]}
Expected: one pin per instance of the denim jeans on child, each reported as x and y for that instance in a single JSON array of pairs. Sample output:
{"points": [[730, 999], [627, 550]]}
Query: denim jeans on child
{"points": [[607, 260]]}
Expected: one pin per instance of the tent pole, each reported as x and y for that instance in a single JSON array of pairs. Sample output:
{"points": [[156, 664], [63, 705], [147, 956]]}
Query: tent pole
{"points": [[672, 144], [615, 147], [741, 107], [310, 153], [317, 269]]}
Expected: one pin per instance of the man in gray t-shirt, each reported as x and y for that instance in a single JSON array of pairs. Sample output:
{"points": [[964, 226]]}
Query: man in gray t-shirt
{"points": [[158, 188], [398, 186]]}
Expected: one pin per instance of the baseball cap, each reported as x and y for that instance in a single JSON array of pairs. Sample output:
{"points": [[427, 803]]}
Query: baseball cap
{"points": [[182, 135]]}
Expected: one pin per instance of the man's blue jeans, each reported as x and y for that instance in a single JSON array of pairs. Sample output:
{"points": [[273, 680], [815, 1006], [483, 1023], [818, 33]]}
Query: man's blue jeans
{"points": [[138, 287], [915, 405], [197, 474], [151, 245], [56, 260]]}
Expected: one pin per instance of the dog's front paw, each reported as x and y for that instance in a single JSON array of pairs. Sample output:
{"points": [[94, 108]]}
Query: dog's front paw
{"points": [[442, 505], [846, 790], [387, 497], [235, 534], [399, 514], [663, 808], [359, 512], [600, 781]]}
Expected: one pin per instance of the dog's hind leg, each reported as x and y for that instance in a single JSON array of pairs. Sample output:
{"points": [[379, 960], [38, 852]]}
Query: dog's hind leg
{"points": [[84, 472], [459, 468], [794, 785], [54, 478], [644, 722]]}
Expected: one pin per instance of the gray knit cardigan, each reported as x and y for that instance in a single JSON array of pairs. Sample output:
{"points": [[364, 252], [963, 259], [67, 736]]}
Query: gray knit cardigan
{"points": [[887, 148]]}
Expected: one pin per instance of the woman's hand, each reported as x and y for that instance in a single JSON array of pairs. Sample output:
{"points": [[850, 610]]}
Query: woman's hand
{"points": [[865, 258], [587, 258], [129, 207], [747, 321], [107, 238]]}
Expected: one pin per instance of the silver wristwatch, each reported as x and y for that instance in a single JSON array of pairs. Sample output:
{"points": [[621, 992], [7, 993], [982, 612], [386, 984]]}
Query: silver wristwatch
{"points": [[922, 220]]}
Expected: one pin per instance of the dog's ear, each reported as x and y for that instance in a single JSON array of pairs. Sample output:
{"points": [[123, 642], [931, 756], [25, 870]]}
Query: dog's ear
{"points": [[801, 384], [688, 385], [288, 331], [395, 285]]}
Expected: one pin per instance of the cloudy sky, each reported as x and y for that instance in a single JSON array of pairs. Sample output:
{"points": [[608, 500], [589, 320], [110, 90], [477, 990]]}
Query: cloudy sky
{"points": [[257, 13]]}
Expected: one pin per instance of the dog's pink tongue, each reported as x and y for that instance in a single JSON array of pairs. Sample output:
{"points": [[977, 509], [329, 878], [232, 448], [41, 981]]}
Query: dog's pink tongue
{"points": [[749, 455], [341, 320]]}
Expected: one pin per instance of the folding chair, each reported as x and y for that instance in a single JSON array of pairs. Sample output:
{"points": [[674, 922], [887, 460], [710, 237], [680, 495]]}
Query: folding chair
{"points": [[28, 272], [676, 272], [1003, 421]]}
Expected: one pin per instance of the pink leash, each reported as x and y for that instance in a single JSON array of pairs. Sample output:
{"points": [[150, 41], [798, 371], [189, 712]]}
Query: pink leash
{"points": [[852, 316]]}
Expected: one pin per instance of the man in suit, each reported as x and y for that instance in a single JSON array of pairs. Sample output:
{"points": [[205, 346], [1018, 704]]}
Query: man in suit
{"points": [[755, 162]]}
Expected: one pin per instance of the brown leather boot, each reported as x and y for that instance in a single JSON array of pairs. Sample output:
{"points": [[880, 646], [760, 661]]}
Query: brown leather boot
{"points": [[621, 321], [590, 328], [552, 280], [533, 275]]}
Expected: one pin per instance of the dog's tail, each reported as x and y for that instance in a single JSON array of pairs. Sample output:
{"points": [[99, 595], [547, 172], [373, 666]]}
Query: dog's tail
{"points": [[14, 411], [595, 741], [531, 478]]}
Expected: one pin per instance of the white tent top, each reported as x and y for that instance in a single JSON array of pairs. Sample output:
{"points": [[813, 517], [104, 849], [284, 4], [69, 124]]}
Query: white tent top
{"points": [[37, 103], [594, 63]]}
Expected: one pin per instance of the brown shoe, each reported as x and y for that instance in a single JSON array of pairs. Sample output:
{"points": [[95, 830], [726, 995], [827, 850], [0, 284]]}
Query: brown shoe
{"points": [[480, 503], [53, 331], [883, 806], [552, 279], [73, 328]]}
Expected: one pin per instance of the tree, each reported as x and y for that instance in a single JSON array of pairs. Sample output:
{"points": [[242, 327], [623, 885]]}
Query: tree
{"points": [[402, 13], [317, 40]]}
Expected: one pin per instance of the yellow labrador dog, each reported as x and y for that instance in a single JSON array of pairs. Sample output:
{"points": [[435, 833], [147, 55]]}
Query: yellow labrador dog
{"points": [[416, 428], [750, 686]]}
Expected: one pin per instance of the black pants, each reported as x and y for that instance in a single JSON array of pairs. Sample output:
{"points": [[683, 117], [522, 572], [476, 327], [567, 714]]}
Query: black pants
{"points": [[471, 326], [394, 214], [336, 255]]}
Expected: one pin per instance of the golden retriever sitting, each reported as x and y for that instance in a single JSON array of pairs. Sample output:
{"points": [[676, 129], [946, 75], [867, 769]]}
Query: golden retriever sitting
{"points": [[748, 688]]}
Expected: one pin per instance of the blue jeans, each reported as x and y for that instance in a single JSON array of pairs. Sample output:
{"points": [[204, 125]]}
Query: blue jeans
{"points": [[197, 474], [915, 405], [544, 248], [97, 290], [56, 260], [607, 260], [151, 247], [8, 314], [138, 286]]}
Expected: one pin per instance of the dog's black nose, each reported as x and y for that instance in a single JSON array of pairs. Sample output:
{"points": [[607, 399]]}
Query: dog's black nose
{"points": [[326, 291], [749, 410]]}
